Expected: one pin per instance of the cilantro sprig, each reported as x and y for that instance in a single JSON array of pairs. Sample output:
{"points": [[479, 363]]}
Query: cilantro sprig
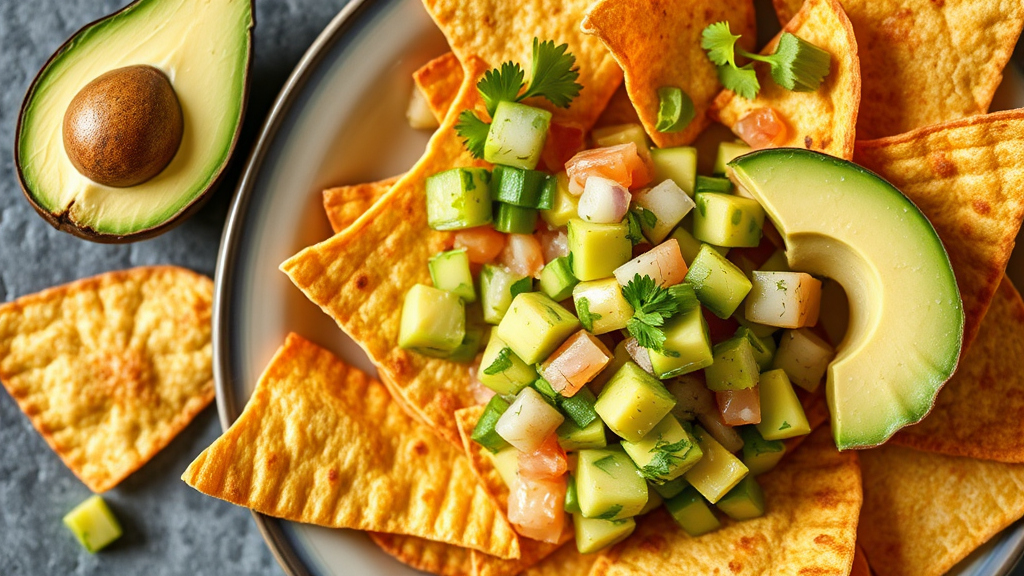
{"points": [[652, 307], [502, 362], [664, 459]]}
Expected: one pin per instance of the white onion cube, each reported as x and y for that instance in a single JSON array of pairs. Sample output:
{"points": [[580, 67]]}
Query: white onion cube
{"points": [[804, 357], [668, 203], [783, 299], [528, 421], [603, 201]]}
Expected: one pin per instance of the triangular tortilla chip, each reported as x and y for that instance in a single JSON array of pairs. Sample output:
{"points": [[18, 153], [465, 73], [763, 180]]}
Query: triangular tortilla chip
{"points": [[926, 61], [925, 512], [345, 204], [821, 120], [978, 412], [657, 44], [439, 81], [813, 499], [322, 443], [426, 555], [566, 561], [967, 177], [109, 369]]}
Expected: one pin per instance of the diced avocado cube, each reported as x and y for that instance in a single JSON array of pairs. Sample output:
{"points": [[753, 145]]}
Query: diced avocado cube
{"points": [[727, 220], [517, 134], [782, 415], [718, 471], [667, 204], [744, 502], [670, 489], [654, 500], [93, 524], [502, 371], [450, 271], [433, 321], [598, 249], [734, 366], [529, 421], [676, 164], [619, 357], [719, 284], [514, 219], [556, 279], [602, 305], [506, 463], [633, 402], [572, 437], [713, 184], [471, 344], [580, 407], [496, 291], [804, 356], [777, 262], [535, 325], [519, 187], [484, 433], [764, 348], [621, 134], [784, 299], [665, 453], [608, 485], [564, 205], [727, 151], [594, 535], [692, 513], [458, 198], [687, 346], [760, 455]]}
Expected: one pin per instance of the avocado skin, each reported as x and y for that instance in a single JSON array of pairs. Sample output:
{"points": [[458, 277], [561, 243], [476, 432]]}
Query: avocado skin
{"points": [[60, 221]]}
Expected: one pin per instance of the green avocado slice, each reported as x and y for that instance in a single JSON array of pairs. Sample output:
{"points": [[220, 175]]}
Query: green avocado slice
{"points": [[842, 221]]}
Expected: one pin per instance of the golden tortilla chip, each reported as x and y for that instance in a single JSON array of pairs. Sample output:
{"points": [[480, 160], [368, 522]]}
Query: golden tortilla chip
{"points": [[566, 561], [925, 512], [426, 555], [926, 61], [657, 44], [822, 120], [109, 369], [813, 499], [978, 412], [345, 204], [439, 81], [322, 443], [967, 177], [860, 563], [498, 31]]}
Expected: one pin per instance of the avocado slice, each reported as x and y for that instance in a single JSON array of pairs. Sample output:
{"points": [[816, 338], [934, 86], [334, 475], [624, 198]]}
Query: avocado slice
{"points": [[906, 318], [177, 39]]}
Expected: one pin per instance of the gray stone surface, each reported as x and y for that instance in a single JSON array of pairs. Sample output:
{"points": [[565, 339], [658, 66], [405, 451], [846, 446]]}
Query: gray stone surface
{"points": [[170, 528]]}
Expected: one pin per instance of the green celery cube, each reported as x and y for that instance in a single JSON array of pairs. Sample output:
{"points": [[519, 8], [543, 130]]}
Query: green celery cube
{"points": [[745, 501], [782, 415], [676, 164], [734, 368], [760, 455], [518, 187], [665, 453], [484, 433], [507, 376], [718, 471], [692, 513], [719, 284], [433, 321], [594, 535], [517, 134], [556, 279], [633, 402], [458, 198], [598, 249], [450, 271], [535, 325], [93, 524], [727, 220], [608, 485], [687, 346], [608, 309]]}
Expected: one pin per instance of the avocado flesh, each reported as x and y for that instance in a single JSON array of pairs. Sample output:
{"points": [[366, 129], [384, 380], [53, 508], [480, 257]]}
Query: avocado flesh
{"points": [[906, 318], [203, 48]]}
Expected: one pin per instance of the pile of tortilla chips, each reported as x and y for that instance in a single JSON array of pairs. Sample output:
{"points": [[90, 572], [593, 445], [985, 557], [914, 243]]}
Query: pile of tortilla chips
{"points": [[907, 96]]}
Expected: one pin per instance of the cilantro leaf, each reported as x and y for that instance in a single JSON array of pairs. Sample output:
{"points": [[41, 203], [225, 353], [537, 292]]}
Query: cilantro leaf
{"points": [[473, 132], [586, 316], [664, 459], [502, 362], [634, 231], [610, 513], [652, 306], [553, 74], [501, 84], [742, 81], [719, 42], [650, 219], [520, 286]]}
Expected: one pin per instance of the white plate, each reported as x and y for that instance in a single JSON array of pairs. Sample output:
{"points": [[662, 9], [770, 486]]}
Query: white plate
{"points": [[341, 119]]}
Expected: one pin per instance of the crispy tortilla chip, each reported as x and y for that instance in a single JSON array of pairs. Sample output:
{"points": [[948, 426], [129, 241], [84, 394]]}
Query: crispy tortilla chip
{"points": [[497, 31], [925, 512], [360, 276], [345, 204], [967, 177], [657, 43], [980, 412], [813, 499], [439, 81], [426, 555], [109, 369], [926, 61], [322, 443], [822, 120], [860, 563], [566, 561]]}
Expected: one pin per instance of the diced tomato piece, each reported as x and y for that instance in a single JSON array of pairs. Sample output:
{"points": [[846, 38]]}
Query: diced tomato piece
{"points": [[739, 407], [548, 461], [536, 508], [523, 255], [620, 163], [577, 361], [482, 244], [554, 242], [562, 143], [481, 394], [720, 329], [761, 128], [664, 264]]}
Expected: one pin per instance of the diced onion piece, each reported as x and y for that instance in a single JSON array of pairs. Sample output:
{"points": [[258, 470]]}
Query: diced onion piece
{"points": [[804, 357], [482, 244], [536, 508], [577, 361], [603, 201], [739, 407], [761, 128], [553, 242], [547, 461], [668, 203], [639, 355], [528, 421], [419, 114], [621, 163], [783, 299], [664, 264], [523, 255]]}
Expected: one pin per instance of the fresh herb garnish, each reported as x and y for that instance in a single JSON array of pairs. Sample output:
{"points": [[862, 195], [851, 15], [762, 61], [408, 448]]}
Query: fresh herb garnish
{"points": [[610, 513], [587, 317], [605, 463], [785, 425], [634, 231], [652, 306], [520, 286], [664, 458], [502, 362], [473, 132]]}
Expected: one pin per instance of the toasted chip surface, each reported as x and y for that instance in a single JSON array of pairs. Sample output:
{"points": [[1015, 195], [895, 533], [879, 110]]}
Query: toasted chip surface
{"points": [[925, 512], [439, 81], [426, 555], [813, 499], [822, 120], [109, 369], [323, 443], [925, 61], [566, 561], [967, 177], [345, 204], [657, 44]]}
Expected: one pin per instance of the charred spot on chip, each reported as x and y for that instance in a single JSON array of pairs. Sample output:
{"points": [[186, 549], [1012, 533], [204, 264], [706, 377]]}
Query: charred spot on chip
{"points": [[420, 448], [981, 207], [941, 164], [653, 544], [332, 475], [735, 566], [362, 281], [808, 142]]}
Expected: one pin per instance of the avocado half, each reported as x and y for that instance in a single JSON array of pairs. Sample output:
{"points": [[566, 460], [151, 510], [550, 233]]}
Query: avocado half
{"points": [[205, 51], [844, 222]]}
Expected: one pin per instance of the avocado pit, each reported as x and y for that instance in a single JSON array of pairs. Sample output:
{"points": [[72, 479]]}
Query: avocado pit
{"points": [[124, 127]]}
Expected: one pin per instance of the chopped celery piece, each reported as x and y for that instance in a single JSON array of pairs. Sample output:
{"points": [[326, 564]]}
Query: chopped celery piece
{"points": [[502, 371], [760, 455], [515, 219], [764, 348], [718, 471], [782, 415], [484, 432], [668, 204], [745, 501], [564, 205], [517, 134], [719, 284], [458, 198], [601, 305], [726, 220], [633, 402], [675, 109], [784, 299], [687, 346], [608, 485], [496, 291], [519, 187], [665, 453], [467, 351], [580, 407], [678, 165], [93, 524], [433, 321], [572, 437], [692, 513], [572, 502], [713, 184], [556, 279], [598, 249], [450, 271], [535, 326], [595, 534], [727, 151], [734, 367], [670, 489], [804, 356]]}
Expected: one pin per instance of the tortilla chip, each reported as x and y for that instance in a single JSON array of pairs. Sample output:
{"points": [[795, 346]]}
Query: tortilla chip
{"points": [[345, 204], [860, 563], [426, 555], [925, 512], [322, 443], [925, 61], [498, 31], [980, 412], [813, 500], [109, 369], [439, 81], [657, 43], [360, 276], [822, 120], [619, 110], [566, 561], [967, 177]]}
